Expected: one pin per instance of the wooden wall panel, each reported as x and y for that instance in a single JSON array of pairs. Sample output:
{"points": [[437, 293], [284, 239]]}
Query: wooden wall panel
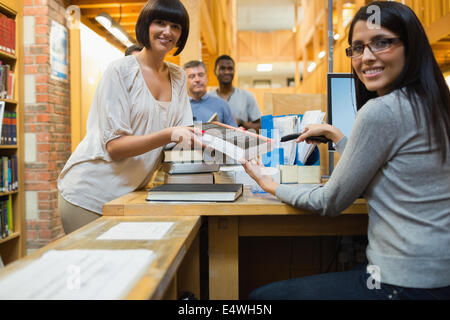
{"points": [[277, 46]]}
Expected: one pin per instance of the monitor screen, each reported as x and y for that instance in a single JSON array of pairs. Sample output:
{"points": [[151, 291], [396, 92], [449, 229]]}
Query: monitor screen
{"points": [[341, 102]]}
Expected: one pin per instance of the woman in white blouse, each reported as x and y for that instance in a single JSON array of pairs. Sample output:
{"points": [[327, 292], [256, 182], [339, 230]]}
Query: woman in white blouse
{"points": [[141, 105]]}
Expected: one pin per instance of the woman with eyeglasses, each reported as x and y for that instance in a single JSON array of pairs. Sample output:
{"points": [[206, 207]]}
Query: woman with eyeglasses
{"points": [[398, 154]]}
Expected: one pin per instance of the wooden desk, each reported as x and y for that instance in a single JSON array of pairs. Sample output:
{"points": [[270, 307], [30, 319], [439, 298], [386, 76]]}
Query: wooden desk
{"points": [[178, 249], [251, 215]]}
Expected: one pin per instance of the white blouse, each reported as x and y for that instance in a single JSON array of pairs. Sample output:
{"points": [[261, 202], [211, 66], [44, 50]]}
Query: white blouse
{"points": [[122, 105]]}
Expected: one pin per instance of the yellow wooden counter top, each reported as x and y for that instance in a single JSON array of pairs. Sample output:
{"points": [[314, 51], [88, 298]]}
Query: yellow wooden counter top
{"points": [[249, 204]]}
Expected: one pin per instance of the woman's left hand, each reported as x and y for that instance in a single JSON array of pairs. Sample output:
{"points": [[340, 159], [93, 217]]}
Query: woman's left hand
{"points": [[259, 173]]}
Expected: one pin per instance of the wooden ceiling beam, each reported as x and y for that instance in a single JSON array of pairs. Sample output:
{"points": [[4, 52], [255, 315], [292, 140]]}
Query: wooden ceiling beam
{"points": [[113, 12], [105, 3]]}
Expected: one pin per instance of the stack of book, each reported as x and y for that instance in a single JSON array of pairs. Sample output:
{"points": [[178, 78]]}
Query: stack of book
{"points": [[187, 167]]}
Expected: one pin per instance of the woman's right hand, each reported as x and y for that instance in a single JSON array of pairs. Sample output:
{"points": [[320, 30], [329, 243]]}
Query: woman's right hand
{"points": [[186, 136], [313, 130]]}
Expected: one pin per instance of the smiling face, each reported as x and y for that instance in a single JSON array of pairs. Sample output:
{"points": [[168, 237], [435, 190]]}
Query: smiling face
{"points": [[225, 71], [164, 35], [380, 69]]}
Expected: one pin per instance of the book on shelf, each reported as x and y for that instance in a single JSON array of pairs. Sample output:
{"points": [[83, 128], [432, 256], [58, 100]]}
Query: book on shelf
{"points": [[6, 81], [196, 192], [6, 216], [2, 112], [8, 173], [8, 128], [7, 34]]}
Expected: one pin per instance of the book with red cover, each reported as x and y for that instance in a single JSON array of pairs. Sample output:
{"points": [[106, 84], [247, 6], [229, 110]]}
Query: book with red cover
{"points": [[12, 34], [2, 32]]}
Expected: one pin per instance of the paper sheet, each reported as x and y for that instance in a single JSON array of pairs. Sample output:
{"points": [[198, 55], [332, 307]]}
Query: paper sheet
{"points": [[304, 150], [77, 274], [286, 125], [137, 231]]}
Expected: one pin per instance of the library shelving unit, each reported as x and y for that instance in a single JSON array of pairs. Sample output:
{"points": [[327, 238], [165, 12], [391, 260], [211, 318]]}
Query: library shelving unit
{"points": [[12, 247]]}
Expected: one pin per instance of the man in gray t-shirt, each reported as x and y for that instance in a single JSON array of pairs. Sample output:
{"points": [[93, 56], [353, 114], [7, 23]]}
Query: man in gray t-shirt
{"points": [[242, 103]]}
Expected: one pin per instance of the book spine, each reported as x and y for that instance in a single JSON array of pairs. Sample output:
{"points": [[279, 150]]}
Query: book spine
{"points": [[5, 173], [11, 85], [1, 83], [9, 175], [13, 35], [14, 127], [6, 80], [5, 128], [2, 220], [15, 173], [8, 128], [2, 33], [1, 176], [10, 215], [3, 133]]}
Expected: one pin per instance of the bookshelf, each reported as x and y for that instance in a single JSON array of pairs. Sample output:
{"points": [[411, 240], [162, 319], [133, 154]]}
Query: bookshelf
{"points": [[12, 244]]}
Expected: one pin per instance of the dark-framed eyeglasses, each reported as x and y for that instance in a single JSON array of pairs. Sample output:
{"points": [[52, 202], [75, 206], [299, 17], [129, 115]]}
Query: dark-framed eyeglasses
{"points": [[377, 45]]}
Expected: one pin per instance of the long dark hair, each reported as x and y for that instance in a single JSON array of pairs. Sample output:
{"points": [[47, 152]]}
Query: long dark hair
{"points": [[421, 78]]}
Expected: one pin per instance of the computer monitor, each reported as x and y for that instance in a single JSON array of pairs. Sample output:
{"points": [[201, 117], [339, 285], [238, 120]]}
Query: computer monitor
{"points": [[341, 102]]}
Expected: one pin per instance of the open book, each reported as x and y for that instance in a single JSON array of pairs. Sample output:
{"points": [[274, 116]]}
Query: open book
{"points": [[233, 142]]}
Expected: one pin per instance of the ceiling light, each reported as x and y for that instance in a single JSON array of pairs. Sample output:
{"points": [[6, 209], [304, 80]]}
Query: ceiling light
{"points": [[311, 67], [104, 19], [336, 36], [264, 67], [322, 54], [114, 28]]}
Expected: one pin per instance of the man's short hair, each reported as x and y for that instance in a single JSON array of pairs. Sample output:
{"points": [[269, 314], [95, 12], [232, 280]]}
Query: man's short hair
{"points": [[167, 10], [194, 64], [132, 48], [223, 57]]}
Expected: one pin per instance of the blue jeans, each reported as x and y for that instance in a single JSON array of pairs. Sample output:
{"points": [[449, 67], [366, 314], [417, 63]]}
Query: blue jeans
{"points": [[349, 285]]}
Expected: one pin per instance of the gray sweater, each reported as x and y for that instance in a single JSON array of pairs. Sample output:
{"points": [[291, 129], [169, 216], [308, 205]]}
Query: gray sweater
{"points": [[407, 188]]}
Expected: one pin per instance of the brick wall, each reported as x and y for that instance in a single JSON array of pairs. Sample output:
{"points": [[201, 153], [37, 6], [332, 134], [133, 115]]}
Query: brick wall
{"points": [[47, 124]]}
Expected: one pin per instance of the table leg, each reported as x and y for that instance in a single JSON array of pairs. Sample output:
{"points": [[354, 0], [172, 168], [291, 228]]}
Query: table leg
{"points": [[223, 258], [188, 274]]}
